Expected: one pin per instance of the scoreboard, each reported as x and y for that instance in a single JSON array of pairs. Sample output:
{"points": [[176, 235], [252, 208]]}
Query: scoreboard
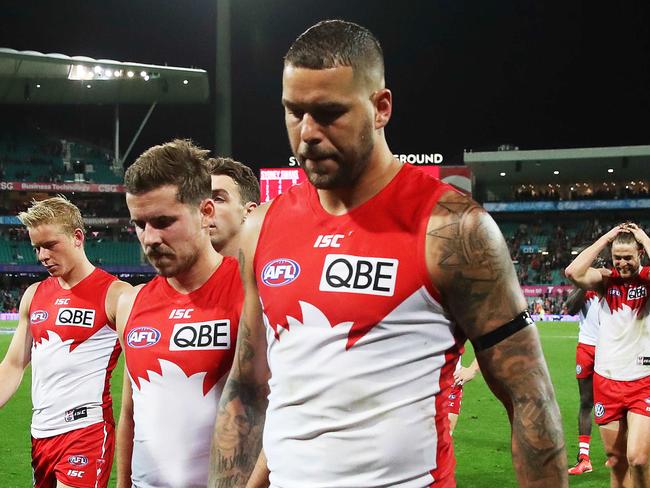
{"points": [[274, 181]]}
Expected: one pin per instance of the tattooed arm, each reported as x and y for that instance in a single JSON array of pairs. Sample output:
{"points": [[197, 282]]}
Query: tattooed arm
{"points": [[469, 263], [242, 409]]}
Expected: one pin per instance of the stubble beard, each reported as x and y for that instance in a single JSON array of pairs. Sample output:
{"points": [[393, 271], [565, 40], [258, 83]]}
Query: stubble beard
{"points": [[348, 172]]}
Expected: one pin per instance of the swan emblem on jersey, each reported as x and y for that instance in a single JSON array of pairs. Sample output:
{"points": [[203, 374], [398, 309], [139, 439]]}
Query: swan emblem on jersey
{"points": [[280, 272]]}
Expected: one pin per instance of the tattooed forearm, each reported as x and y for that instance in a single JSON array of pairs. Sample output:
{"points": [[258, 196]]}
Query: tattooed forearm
{"points": [[238, 433], [516, 372]]}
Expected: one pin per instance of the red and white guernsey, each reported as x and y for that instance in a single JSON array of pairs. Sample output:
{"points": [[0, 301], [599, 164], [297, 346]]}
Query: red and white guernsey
{"points": [[623, 350], [361, 350], [178, 350], [589, 319], [74, 352]]}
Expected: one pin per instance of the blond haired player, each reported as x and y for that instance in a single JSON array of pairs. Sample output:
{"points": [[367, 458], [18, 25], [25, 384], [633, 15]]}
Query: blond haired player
{"points": [[66, 329]]}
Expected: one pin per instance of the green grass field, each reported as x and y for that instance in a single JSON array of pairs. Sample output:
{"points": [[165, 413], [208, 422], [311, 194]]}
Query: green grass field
{"points": [[481, 439]]}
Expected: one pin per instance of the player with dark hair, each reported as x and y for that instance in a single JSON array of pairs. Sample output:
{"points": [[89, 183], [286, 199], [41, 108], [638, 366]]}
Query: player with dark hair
{"points": [[66, 329], [361, 286], [236, 192], [622, 362], [178, 330]]}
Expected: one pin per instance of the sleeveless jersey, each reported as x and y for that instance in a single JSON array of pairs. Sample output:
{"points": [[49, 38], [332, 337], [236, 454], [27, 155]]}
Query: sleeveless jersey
{"points": [[623, 349], [74, 352], [178, 350], [589, 319], [361, 350]]}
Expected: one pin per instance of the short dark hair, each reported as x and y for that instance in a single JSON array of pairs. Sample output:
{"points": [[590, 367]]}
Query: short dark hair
{"points": [[334, 43], [180, 163], [242, 175]]}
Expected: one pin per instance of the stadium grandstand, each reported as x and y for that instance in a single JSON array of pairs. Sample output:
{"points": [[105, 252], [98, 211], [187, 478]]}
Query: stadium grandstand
{"points": [[36, 163], [550, 204]]}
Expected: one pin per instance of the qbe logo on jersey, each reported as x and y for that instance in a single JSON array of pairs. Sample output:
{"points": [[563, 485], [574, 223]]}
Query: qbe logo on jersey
{"points": [[208, 335], [79, 317], [637, 292], [356, 274]]}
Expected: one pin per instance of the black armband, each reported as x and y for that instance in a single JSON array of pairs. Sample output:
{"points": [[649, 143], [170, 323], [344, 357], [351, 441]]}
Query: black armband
{"points": [[506, 330]]}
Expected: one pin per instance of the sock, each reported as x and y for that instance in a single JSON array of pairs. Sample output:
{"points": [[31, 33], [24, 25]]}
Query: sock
{"points": [[583, 446]]}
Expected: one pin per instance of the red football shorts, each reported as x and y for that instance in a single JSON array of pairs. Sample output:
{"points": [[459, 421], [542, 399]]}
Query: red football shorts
{"points": [[613, 399], [454, 399], [81, 458], [585, 360]]}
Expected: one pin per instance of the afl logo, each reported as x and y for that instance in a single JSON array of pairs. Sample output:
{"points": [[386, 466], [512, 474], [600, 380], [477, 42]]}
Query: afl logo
{"points": [[143, 337], [78, 460], [280, 272], [599, 410], [578, 369], [38, 316]]}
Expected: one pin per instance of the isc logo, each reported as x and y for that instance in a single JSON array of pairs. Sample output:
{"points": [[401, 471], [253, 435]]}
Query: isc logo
{"points": [[75, 473], [181, 313], [280, 272], [38, 316], [355, 274], [143, 337], [637, 292], [328, 240], [80, 317], [61, 301], [210, 335]]}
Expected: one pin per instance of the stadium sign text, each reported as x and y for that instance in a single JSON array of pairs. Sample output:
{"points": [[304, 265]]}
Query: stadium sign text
{"points": [[433, 158], [61, 187]]}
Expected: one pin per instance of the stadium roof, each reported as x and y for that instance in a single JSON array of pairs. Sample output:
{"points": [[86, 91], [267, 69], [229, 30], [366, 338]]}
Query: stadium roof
{"points": [[571, 165], [30, 77]]}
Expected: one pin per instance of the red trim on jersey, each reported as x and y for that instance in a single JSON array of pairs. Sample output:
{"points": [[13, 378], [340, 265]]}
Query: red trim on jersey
{"points": [[445, 460], [107, 399]]}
